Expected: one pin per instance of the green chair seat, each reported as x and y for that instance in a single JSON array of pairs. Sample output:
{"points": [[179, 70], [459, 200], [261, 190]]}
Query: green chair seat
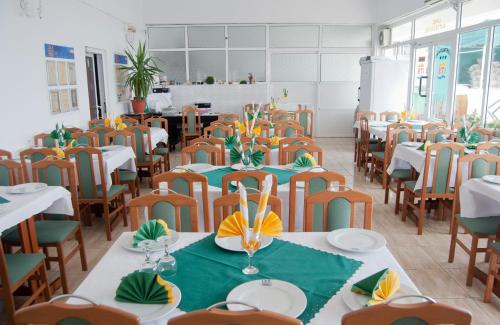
{"points": [[496, 247], [113, 190], [155, 157], [401, 174], [480, 226], [47, 232], [20, 265], [378, 154], [127, 175], [162, 150], [411, 185]]}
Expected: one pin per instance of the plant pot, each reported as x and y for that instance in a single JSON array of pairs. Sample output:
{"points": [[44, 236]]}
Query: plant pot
{"points": [[138, 105]]}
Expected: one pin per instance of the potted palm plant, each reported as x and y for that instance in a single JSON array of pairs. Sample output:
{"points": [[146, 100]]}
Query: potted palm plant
{"points": [[140, 76]]}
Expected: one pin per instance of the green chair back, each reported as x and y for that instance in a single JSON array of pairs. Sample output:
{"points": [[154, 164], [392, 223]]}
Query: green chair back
{"points": [[101, 134], [443, 160], [218, 133], [156, 124], [4, 176], [85, 170], [181, 186], [48, 142], [316, 185], [140, 146], [191, 122], [410, 321], [201, 156]]}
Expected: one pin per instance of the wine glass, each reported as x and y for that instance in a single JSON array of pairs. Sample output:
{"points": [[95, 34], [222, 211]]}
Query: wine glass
{"points": [[146, 246], [166, 265], [250, 242]]}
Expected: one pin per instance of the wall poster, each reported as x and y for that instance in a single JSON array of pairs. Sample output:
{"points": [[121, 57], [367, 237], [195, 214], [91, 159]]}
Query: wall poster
{"points": [[122, 90]]}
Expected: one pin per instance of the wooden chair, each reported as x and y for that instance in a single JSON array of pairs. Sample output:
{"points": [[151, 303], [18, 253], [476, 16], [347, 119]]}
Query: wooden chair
{"points": [[292, 140], [55, 231], [112, 198], [366, 148], [258, 140], [230, 124], [265, 150], [370, 116], [314, 182], [288, 129], [218, 131], [202, 153], [164, 151], [251, 179], [88, 138], [161, 206], [430, 312], [477, 165], [426, 128], [45, 140], [439, 134], [4, 154], [19, 269], [337, 210], [489, 147], [125, 177], [229, 203], [389, 116], [33, 155], [398, 175], [129, 121], [191, 124], [148, 164], [101, 133], [214, 142], [291, 152], [484, 134], [249, 108], [58, 312], [305, 117], [184, 183], [96, 122], [279, 115], [493, 270], [215, 316], [229, 117], [438, 188], [11, 173]]}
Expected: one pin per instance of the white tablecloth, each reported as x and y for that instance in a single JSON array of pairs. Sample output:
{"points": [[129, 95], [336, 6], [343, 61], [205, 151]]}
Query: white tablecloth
{"points": [[54, 199], [405, 157], [119, 157], [274, 157], [157, 135], [479, 199], [101, 283], [379, 128]]}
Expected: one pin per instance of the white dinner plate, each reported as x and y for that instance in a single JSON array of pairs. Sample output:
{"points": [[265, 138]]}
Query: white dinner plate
{"points": [[240, 166], [26, 188], [146, 312], [198, 168], [357, 301], [234, 243], [279, 296], [494, 179], [411, 144], [128, 239], [356, 240], [315, 169]]}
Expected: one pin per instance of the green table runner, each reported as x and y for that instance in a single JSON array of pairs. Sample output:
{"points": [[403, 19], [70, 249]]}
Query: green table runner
{"points": [[215, 176], [3, 200], [208, 273]]}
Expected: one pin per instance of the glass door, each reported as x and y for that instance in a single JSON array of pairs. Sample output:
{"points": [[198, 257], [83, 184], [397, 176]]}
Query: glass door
{"points": [[420, 84], [441, 76], [493, 107]]}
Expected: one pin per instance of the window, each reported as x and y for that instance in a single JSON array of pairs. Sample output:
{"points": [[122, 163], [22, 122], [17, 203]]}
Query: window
{"points": [[207, 63], [478, 11], [172, 64], [401, 33], [241, 63], [347, 36], [435, 22], [206, 37], [166, 37], [493, 107], [294, 67], [246, 36], [293, 36]]}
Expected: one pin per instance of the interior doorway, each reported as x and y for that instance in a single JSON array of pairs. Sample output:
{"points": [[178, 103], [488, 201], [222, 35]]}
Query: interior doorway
{"points": [[96, 83]]}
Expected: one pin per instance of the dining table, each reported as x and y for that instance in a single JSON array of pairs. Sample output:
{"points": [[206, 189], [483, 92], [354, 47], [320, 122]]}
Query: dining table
{"points": [[274, 159], [206, 273], [479, 198], [379, 128], [158, 135]]}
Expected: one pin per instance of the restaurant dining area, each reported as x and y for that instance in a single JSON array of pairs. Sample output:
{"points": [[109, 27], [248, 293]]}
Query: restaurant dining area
{"points": [[250, 162]]}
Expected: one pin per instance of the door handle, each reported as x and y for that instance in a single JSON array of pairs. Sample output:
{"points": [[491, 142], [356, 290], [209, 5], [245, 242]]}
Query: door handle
{"points": [[420, 86]]}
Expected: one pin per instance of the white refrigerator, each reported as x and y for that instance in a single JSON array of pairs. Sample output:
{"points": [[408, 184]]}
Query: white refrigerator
{"points": [[384, 84]]}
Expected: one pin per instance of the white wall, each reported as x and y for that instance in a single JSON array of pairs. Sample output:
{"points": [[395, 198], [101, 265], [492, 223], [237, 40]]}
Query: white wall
{"points": [[259, 11], [25, 106], [390, 9]]}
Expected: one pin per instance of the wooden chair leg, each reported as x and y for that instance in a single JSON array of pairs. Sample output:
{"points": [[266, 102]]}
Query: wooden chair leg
{"points": [[81, 246], [406, 200], [62, 268], [386, 196], [44, 280], [490, 280], [372, 169], [421, 216], [124, 210], [487, 254], [398, 196], [453, 242], [472, 260], [46, 253], [107, 221]]}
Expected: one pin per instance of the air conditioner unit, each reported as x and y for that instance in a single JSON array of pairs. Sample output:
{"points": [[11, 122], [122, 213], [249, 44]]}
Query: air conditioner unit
{"points": [[384, 37]]}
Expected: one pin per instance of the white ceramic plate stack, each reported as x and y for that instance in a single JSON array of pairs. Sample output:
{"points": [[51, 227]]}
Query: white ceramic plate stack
{"points": [[240, 166], [26, 188], [127, 240], [356, 240], [146, 312], [234, 243], [493, 179], [273, 295], [357, 301]]}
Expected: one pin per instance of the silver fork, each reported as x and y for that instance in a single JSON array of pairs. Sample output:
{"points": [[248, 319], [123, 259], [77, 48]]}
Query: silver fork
{"points": [[266, 282]]}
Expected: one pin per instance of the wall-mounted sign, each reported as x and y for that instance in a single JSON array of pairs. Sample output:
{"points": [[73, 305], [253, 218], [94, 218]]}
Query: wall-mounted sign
{"points": [[121, 59], [59, 52], [122, 90]]}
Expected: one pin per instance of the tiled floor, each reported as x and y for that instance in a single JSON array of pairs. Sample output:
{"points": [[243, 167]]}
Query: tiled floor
{"points": [[425, 258]]}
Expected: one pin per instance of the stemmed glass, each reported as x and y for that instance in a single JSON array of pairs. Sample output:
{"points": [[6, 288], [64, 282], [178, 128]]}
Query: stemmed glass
{"points": [[166, 265], [146, 246], [250, 242]]}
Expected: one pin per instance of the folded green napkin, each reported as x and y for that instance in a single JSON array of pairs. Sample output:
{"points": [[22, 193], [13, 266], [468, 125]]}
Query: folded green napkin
{"points": [[144, 288], [421, 147], [230, 141], [153, 229], [369, 284], [3, 200], [303, 162]]}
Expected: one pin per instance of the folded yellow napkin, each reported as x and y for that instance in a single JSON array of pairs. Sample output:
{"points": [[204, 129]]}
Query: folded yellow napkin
{"points": [[271, 226], [234, 225], [386, 289], [275, 141]]}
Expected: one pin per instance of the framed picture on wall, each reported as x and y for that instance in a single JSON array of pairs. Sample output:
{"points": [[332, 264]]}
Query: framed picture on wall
{"points": [[122, 90], [54, 101]]}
